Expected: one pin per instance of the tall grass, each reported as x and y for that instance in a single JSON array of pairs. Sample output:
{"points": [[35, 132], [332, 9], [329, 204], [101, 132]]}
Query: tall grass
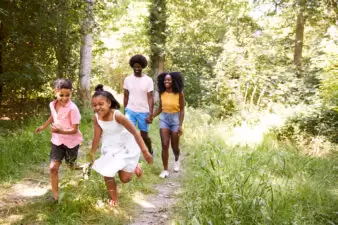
{"points": [[271, 183]]}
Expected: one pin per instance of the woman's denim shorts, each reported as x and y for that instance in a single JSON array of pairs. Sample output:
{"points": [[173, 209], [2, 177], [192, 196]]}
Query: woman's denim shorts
{"points": [[170, 121]]}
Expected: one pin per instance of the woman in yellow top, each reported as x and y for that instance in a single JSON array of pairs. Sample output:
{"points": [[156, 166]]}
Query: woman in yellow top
{"points": [[171, 108]]}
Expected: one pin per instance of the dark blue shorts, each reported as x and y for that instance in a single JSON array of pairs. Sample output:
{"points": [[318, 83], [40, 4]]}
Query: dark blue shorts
{"points": [[170, 121]]}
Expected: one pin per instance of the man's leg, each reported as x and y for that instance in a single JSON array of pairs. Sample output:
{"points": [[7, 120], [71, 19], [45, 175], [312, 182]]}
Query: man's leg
{"points": [[147, 141]]}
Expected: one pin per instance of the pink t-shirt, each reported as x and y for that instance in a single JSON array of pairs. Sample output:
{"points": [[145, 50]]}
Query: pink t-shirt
{"points": [[138, 88], [66, 117]]}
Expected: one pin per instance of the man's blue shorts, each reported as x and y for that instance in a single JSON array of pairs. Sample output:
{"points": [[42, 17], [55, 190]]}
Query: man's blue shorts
{"points": [[138, 118]]}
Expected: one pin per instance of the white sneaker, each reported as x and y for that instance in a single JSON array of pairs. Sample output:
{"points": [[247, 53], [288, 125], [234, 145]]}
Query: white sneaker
{"points": [[176, 166], [164, 174]]}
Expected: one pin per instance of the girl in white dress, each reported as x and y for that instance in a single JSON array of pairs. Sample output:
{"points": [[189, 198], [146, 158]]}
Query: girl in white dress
{"points": [[121, 143]]}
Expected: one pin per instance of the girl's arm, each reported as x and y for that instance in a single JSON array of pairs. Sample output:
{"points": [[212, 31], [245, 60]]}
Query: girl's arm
{"points": [[158, 110], [96, 139], [45, 125], [181, 99], [121, 119]]}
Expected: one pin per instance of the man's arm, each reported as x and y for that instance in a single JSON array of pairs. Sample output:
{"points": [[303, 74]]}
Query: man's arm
{"points": [[125, 99], [151, 106]]}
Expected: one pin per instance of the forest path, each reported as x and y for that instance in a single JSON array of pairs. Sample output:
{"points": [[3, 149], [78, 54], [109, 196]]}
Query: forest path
{"points": [[158, 208]]}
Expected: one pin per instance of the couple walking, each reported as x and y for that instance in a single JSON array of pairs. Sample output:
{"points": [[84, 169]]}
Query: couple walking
{"points": [[138, 102]]}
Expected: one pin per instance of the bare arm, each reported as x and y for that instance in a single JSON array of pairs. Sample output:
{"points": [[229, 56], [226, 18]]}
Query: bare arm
{"points": [[60, 130], [181, 100], [96, 139], [125, 98], [158, 110], [121, 119], [45, 125], [151, 107]]}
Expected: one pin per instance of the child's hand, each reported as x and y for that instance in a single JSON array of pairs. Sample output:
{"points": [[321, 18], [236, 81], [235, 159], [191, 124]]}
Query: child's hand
{"points": [[147, 156], [38, 130], [91, 157], [56, 128]]}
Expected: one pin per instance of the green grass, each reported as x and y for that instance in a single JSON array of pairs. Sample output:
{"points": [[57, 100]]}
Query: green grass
{"points": [[26, 155], [270, 183]]}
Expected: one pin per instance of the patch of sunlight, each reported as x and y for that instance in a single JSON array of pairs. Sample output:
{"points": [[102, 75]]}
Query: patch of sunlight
{"points": [[11, 219], [247, 134], [138, 198], [29, 190]]}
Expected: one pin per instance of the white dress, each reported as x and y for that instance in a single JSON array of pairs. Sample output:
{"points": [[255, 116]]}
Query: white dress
{"points": [[119, 150]]}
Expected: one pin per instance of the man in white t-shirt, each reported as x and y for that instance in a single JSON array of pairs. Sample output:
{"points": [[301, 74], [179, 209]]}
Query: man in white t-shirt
{"points": [[138, 98]]}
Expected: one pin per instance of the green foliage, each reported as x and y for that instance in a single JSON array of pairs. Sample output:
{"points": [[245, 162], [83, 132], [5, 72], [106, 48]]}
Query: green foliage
{"points": [[271, 183]]}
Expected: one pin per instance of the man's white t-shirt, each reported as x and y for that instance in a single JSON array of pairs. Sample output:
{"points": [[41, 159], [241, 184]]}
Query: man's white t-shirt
{"points": [[138, 87]]}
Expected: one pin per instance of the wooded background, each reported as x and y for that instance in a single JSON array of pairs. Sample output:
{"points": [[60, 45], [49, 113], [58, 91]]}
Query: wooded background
{"points": [[234, 54]]}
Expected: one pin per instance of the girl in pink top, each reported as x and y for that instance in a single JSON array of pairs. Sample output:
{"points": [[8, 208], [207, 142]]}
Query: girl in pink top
{"points": [[66, 138]]}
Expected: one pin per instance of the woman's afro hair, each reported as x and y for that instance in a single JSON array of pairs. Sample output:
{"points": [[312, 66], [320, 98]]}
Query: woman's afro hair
{"points": [[177, 82], [140, 59]]}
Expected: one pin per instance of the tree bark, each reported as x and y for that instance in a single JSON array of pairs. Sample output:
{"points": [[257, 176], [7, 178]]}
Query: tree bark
{"points": [[1, 70], [157, 18], [86, 53], [299, 33]]}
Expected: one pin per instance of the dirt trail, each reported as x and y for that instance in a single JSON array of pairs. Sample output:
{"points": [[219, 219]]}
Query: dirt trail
{"points": [[154, 209], [157, 209]]}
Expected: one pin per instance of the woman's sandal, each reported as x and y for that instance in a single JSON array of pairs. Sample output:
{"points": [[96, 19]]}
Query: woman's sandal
{"points": [[112, 203], [138, 171]]}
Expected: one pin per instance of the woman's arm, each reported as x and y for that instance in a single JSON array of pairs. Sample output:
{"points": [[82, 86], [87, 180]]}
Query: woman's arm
{"points": [[158, 110], [121, 119], [181, 100], [96, 139]]}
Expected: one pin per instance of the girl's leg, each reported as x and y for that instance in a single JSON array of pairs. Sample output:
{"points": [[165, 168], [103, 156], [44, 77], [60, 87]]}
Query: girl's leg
{"points": [[125, 177], [165, 135], [175, 144], [111, 188], [54, 177]]}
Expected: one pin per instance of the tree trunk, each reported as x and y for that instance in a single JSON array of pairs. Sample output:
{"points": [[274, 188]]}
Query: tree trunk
{"points": [[86, 53], [1, 71], [157, 18], [299, 34]]}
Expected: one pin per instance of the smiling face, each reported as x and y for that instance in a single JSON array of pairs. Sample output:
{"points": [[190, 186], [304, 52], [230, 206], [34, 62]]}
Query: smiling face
{"points": [[137, 69], [101, 105], [168, 82], [63, 95]]}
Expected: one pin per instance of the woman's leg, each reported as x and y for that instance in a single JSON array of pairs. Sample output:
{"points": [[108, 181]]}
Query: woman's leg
{"points": [[165, 135], [111, 188], [175, 144]]}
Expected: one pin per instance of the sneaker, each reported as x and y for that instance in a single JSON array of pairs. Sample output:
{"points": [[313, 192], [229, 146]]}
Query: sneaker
{"points": [[176, 166], [152, 153], [164, 174]]}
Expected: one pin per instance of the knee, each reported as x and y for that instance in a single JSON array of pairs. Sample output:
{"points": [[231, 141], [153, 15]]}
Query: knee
{"points": [[53, 169], [125, 179], [165, 147]]}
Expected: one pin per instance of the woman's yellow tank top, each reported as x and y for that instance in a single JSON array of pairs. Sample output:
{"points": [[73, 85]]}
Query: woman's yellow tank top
{"points": [[170, 102]]}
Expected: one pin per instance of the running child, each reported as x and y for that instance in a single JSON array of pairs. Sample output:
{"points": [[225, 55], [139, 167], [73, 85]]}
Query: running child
{"points": [[66, 138], [121, 143]]}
